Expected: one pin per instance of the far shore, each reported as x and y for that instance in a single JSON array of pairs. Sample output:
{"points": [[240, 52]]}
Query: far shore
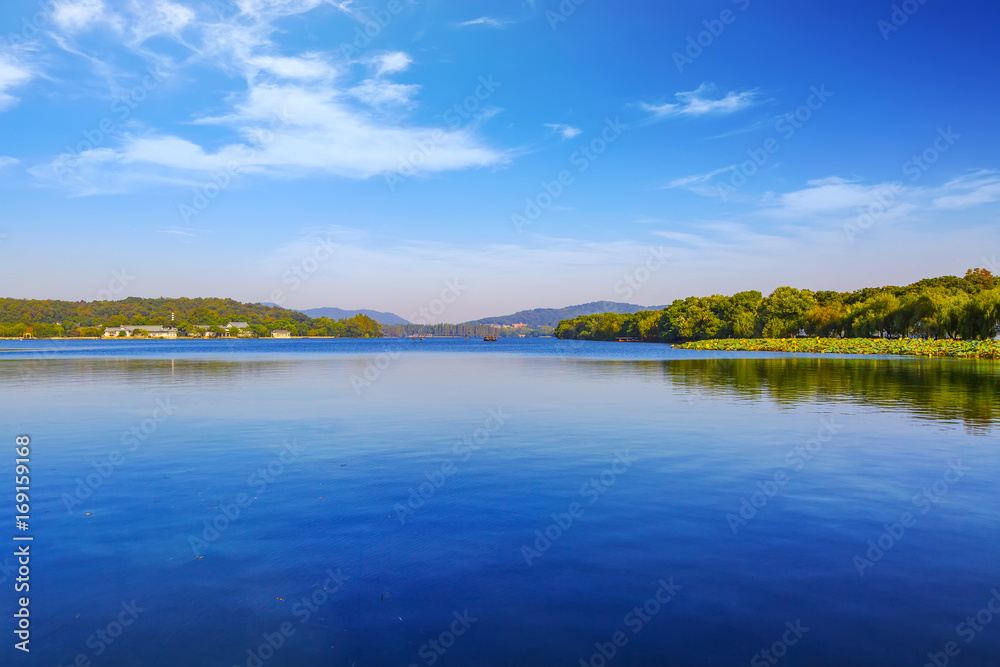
{"points": [[214, 338], [188, 338]]}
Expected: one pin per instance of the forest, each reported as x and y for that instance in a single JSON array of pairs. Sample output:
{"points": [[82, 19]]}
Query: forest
{"points": [[51, 319], [947, 307]]}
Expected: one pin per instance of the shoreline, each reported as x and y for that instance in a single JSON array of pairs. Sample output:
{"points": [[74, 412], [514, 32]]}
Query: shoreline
{"points": [[960, 349]]}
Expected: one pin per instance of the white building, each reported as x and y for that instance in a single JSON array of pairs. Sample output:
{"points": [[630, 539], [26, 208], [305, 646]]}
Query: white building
{"points": [[245, 331], [152, 331], [281, 333], [244, 328]]}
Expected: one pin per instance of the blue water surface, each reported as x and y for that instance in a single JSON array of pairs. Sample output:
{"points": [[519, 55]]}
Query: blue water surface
{"points": [[525, 502]]}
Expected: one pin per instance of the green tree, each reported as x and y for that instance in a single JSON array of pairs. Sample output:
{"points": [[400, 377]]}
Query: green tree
{"points": [[981, 316], [981, 278], [784, 312]]}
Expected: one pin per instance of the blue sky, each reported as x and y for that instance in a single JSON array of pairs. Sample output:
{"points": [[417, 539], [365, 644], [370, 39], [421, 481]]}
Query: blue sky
{"points": [[361, 154]]}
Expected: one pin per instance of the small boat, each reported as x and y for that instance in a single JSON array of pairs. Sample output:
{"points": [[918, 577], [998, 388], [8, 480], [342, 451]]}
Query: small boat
{"points": [[489, 339]]}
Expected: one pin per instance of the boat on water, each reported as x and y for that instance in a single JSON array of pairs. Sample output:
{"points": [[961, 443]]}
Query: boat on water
{"points": [[489, 339]]}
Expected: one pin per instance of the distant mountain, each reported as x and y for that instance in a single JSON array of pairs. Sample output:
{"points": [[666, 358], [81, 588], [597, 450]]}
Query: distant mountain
{"points": [[550, 317], [340, 314]]}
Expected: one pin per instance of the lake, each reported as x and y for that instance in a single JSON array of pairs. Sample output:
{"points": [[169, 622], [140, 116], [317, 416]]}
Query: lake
{"points": [[525, 502]]}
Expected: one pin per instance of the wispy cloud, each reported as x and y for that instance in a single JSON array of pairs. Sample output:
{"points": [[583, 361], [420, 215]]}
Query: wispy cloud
{"points": [[565, 131], [832, 196], [74, 16], [12, 74], [981, 187], [699, 102], [375, 93], [391, 63], [306, 67], [317, 115], [175, 231], [699, 183], [488, 21], [6, 161]]}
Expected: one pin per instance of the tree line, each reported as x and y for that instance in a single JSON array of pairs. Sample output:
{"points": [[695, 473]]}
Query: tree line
{"points": [[48, 318], [469, 330], [945, 307]]}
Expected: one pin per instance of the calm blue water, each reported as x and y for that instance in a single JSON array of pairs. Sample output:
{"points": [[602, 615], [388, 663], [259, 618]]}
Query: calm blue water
{"points": [[644, 454]]}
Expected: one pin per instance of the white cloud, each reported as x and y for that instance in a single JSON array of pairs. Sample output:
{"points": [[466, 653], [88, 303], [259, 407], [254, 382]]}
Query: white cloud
{"points": [[330, 123], [566, 131], [79, 15], [982, 187], [376, 93], [12, 74], [268, 10], [308, 66], [289, 130], [831, 196], [159, 18], [697, 103], [487, 21], [6, 161], [391, 63], [699, 183]]}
